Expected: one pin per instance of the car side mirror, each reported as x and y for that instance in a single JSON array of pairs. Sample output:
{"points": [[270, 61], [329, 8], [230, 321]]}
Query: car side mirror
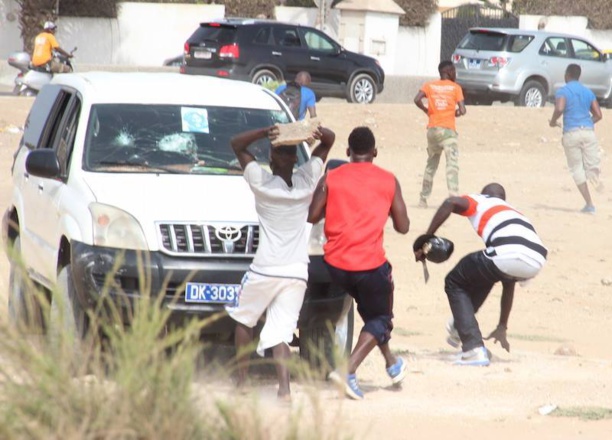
{"points": [[43, 163]]}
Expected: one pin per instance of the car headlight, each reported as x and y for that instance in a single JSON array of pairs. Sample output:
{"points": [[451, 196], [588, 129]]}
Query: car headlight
{"points": [[113, 227], [317, 239]]}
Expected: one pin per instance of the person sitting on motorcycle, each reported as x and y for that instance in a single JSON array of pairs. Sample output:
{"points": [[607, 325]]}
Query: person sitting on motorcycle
{"points": [[44, 45]]}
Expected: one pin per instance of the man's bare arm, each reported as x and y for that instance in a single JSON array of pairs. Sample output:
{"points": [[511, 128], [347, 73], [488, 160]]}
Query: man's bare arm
{"points": [[398, 212], [241, 142], [326, 138], [316, 212]]}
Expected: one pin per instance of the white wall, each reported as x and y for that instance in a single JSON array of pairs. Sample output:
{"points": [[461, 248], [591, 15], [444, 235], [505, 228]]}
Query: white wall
{"points": [[418, 49], [309, 17], [380, 39], [569, 25], [10, 35]]}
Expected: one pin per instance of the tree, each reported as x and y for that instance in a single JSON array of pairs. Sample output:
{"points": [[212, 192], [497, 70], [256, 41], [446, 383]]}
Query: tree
{"points": [[594, 10], [32, 16]]}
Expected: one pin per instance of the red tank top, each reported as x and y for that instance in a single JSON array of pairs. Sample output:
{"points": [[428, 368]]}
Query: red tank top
{"points": [[359, 198]]}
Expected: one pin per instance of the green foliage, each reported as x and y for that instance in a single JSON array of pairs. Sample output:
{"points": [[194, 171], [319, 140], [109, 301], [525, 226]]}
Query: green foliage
{"points": [[592, 9]]}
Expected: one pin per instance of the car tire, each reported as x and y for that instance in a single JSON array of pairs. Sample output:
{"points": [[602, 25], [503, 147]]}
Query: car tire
{"points": [[532, 95], [264, 76], [67, 319], [25, 311], [362, 89], [320, 348]]}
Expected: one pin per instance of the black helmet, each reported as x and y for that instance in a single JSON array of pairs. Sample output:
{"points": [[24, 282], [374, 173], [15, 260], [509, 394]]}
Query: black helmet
{"points": [[436, 249]]}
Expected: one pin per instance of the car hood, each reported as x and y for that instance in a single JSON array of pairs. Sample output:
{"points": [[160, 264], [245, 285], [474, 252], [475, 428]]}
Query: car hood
{"points": [[165, 197]]}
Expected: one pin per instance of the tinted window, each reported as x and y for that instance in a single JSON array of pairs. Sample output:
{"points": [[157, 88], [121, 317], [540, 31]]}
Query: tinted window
{"points": [[263, 36], [483, 41], [286, 37], [41, 111], [222, 34], [173, 138], [554, 47], [517, 43]]}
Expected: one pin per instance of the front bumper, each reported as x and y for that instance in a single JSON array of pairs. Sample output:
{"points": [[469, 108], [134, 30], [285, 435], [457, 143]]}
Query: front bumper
{"points": [[126, 275]]}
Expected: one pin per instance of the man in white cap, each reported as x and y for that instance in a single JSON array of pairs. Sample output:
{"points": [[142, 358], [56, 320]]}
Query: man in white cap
{"points": [[44, 45]]}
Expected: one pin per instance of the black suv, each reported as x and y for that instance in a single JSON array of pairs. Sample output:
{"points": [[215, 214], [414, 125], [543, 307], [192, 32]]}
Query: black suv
{"points": [[261, 51]]}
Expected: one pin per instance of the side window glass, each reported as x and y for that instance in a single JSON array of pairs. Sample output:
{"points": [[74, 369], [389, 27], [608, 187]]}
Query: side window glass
{"points": [[584, 51], [316, 41], [519, 42], [287, 37], [40, 116], [67, 134], [263, 36], [554, 47], [51, 133]]}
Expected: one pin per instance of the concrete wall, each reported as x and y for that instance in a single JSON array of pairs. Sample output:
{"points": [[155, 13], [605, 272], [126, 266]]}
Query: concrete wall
{"points": [[10, 35], [569, 25], [418, 49]]}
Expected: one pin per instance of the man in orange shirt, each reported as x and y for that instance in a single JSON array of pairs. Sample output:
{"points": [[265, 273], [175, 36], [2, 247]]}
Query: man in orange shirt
{"points": [[44, 45], [444, 104]]}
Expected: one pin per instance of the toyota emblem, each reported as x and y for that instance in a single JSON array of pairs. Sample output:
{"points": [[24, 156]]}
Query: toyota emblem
{"points": [[228, 235]]}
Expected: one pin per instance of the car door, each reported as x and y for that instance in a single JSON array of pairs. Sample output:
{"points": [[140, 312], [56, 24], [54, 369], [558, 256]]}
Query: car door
{"points": [[554, 60], [328, 67], [595, 74], [290, 54], [46, 193]]}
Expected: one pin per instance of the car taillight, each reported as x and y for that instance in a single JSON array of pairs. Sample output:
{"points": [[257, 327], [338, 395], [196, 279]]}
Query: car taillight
{"points": [[186, 49], [456, 58], [230, 51], [499, 62]]}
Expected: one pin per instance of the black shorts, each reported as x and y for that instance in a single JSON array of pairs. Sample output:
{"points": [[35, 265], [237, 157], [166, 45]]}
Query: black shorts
{"points": [[373, 293]]}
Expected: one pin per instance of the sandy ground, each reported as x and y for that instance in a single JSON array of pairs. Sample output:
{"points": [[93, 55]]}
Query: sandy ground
{"points": [[567, 308]]}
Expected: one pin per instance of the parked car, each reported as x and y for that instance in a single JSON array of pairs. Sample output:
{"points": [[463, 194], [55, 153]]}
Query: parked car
{"points": [[111, 180], [261, 51], [525, 66], [176, 61]]}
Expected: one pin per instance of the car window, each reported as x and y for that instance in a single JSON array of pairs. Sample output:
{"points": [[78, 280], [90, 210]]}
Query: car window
{"points": [[517, 43], [42, 111], [65, 141], [585, 51], [286, 37], [316, 41], [184, 139], [554, 47], [483, 41], [263, 36], [215, 32]]}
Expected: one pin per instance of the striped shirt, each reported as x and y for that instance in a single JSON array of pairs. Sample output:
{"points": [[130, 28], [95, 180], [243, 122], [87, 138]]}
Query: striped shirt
{"points": [[506, 232]]}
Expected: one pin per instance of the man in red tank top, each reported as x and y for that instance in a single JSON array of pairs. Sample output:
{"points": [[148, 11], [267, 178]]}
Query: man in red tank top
{"points": [[356, 200]]}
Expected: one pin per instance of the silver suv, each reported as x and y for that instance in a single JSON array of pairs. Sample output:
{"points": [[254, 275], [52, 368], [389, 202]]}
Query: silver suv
{"points": [[525, 66]]}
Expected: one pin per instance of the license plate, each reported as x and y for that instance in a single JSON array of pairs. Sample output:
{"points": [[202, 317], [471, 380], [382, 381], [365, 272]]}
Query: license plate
{"points": [[204, 293], [473, 64], [204, 55]]}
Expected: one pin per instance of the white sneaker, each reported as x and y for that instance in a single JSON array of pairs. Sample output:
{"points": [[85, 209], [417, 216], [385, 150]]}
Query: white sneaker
{"points": [[476, 357], [453, 338]]}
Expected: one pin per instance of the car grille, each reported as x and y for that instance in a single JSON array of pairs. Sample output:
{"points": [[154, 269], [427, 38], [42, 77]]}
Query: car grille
{"points": [[227, 239]]}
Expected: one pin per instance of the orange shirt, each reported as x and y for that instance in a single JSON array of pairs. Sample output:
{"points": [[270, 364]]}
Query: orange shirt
{"points": [[359, 198], [44, 43], [442, 96]]}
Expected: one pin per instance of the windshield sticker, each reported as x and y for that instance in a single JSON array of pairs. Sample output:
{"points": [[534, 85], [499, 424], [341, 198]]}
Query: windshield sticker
{"points": [[195, 120]]}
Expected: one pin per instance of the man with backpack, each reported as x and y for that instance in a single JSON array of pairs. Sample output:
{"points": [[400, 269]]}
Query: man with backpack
{"points": [[298, 96]]}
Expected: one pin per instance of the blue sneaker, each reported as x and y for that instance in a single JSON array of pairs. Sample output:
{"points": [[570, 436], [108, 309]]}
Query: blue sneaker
{"points": [[348, 383], [476, 357], [398, 370], [588, 209]]}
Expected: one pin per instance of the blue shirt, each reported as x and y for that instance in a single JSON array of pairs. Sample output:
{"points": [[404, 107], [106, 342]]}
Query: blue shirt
{"points": [[578, 101], [308, 99]]}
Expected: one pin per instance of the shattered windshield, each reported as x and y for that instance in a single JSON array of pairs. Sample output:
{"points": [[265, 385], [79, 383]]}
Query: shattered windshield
{"points": [[177, 139]]}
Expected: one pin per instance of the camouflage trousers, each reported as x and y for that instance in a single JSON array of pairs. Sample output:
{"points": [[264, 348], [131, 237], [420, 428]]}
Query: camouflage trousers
{"points": [[441, 140]]}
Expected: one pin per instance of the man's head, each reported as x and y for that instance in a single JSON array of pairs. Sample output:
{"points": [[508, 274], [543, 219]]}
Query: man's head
{"points": [[362, 143], [494, 190], [49, 26], [283, 158], [303, 78], [446, 69], [573, 72]]}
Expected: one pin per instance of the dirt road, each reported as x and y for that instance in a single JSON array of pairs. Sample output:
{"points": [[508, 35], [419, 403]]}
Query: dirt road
{"points": [[568, 308]]}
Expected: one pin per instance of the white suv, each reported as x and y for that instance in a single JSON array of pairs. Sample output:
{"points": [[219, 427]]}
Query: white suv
{"points": [[127, 182]]}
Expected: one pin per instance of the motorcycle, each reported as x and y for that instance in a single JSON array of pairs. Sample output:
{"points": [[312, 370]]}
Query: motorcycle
{"points": [[30, 79]]}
